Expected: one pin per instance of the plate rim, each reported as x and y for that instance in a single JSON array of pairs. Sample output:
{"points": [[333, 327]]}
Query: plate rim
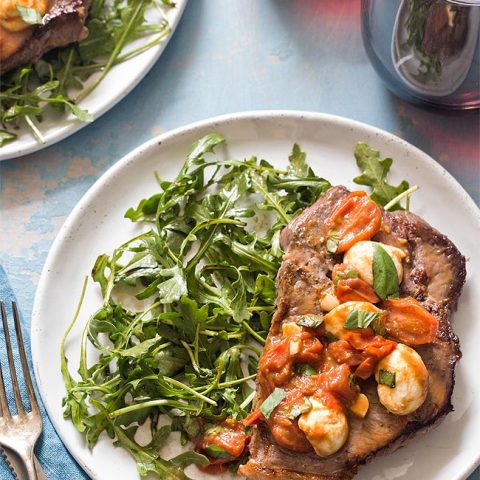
{"points": [[75, 126], [213, 122]]}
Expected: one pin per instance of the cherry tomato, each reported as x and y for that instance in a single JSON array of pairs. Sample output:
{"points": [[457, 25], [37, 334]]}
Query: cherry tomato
{"points": [[224, 442], [409, 322], [311, 349], [366, 368], [252, 418], [355, 290], [356, 218], [343, 352]]}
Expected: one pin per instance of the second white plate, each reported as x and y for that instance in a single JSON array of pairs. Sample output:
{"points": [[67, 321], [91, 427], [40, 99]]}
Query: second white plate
{"points": [[118, 83]]}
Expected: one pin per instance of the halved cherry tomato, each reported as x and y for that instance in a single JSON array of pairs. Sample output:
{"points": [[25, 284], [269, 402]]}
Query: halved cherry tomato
{"points": [[277, 357], [343, 352], [342, 271], [371, 345], [311, 349], [356, 218], [224, 442], [409, 322], [355, 290], [252, 418], [366, 368]]}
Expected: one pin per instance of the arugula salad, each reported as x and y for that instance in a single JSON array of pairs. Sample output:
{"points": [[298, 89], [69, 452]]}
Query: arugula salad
{"points": [[202, 282], [62, 77]]}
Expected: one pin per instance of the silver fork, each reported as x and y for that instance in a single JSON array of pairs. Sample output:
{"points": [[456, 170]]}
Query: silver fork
{"points": [[19, 432]]}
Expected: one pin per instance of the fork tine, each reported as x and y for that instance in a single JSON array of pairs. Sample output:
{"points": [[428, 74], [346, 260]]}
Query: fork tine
{"points": [[11, 364], [32, 397], [3, 394]]}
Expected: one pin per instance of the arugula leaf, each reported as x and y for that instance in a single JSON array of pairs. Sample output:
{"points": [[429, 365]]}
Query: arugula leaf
{"points": [[272, 402], [387, 378], [385, 277], [29, 15], [6, 137], [374, 174], [310, 321], [360, 319]]}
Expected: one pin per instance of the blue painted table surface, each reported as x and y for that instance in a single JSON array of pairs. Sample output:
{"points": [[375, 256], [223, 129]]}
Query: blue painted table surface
{"points": [[225, 56]]}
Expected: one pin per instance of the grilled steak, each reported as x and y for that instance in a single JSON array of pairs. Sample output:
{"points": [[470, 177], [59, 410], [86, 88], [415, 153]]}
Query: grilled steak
{"points": [[434, 273], [64, 23]]}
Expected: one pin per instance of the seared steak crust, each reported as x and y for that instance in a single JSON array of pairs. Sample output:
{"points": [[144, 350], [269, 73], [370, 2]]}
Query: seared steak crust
{"points": [[64, 23], [434, 273]]}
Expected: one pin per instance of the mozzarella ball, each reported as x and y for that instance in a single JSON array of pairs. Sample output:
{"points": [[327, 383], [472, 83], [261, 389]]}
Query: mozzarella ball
{"points": [[411, 381], [325, 428], [335, 319], [360, 257]]}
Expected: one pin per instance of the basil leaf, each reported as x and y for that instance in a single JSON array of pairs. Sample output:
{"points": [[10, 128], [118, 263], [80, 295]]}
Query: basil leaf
{"points": [[360, 319], [333, 240], [217, 452], [385, 277], [305, 369], [345, 275], [272, 401], [378, 327], [29, 15], [310, 321], [387, 378], [331, 337], [298, 409]]}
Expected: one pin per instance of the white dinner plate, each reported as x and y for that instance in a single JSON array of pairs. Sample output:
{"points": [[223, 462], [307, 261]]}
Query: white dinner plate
{"points": [[117, 84], [96, 225]]}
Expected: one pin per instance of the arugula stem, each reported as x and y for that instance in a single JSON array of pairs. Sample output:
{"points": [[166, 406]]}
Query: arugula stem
{"points": [[248, 400], [114, 54], [151, 403], [190, 390], [253, 333], [397, 199], [34, 129], [67, 378]]}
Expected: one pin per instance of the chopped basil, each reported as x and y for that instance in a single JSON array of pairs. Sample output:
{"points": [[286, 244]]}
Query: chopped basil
{"points": [[305, 369], [387, 378], [272, 401], [360, 319], [331, 337], [29, 15], [385, 277], [352, 381], [378, 327], [345, 274], [333, 240], [217, 452], [311, 321], [300, 408]]}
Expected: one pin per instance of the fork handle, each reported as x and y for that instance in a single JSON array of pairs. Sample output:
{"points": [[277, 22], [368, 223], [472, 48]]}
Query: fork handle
{"points": [[30, 467]]}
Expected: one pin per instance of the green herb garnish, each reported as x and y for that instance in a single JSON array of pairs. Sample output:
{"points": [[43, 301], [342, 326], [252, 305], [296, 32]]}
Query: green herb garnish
{"points": [[305, 369], [333, 239], [59, 79], [272, 402], [374, 175], [385, 277], [217, 452], [310, 321], [300, 408], [387, 378], [29, 15], [360, 319], [331, 337]]}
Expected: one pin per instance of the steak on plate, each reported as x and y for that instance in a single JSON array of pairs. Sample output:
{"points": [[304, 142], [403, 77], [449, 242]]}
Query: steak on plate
{"points": [[64, 23], [434, 273]]}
